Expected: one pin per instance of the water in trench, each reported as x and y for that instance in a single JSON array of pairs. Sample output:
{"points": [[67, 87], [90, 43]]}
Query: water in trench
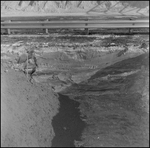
{"points": [[67, 123]]}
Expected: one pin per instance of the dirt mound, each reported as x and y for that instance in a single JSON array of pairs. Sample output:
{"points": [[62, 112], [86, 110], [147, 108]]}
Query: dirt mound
{"points": [[27, 111]]}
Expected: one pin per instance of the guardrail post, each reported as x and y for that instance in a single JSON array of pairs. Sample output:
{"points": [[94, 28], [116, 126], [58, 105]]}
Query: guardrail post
{"points": [[46, 29], [130, 31], [8, 30], [86, 29]]}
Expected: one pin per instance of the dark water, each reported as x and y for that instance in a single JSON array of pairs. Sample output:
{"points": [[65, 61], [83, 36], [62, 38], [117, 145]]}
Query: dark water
{"points": [[67, 123]]}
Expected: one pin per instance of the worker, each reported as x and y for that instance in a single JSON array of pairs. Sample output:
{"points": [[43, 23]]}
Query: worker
{"points": [[29, 63], [23, 57]]}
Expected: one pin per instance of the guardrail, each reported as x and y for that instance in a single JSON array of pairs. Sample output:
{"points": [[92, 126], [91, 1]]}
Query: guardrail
{"points": [[44, 23]]}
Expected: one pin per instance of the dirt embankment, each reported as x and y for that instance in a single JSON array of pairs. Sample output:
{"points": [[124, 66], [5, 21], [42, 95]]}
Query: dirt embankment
{"points": [[26, 111]]}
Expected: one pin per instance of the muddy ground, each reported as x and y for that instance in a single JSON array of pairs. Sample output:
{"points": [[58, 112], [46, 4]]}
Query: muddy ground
{"points": [[110, 85]]}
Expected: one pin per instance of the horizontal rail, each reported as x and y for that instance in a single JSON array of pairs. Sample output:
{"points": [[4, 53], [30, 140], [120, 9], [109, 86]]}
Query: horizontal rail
{"points": [[45, 18], [74, 25], [76, 22], [48, 27], [79, 17], [34, 23]]}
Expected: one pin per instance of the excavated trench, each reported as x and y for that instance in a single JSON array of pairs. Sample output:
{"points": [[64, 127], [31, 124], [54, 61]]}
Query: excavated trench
{"points": [[67, 123], [103, 97], [111, 108]]}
